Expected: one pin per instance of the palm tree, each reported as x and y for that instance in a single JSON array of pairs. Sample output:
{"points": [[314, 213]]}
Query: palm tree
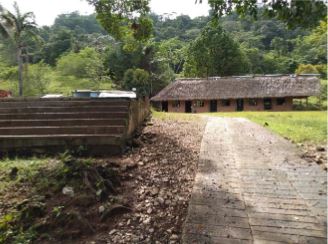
{"points": [[15, 27]]}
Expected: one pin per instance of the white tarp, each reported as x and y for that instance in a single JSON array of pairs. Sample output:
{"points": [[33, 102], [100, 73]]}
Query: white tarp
{"points": [[52, 96], [120, 94]]}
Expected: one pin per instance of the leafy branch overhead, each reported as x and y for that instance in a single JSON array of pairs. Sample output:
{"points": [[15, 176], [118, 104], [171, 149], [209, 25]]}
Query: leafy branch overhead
{"points": [[124, 18], [293, 12], [130, 17]]}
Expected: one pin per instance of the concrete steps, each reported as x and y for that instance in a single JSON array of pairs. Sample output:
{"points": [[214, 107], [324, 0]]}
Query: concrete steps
{"points": [[49, 144], [61, 122], [63, 115], [60, 102], [78, 109], [53, 130], [52, 125]]}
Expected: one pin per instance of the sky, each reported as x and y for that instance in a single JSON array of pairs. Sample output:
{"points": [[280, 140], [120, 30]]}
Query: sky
{"points": [[47, 10]]}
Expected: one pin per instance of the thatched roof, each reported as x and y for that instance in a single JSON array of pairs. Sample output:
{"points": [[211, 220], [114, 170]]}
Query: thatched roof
{"points": [[240, 87]]}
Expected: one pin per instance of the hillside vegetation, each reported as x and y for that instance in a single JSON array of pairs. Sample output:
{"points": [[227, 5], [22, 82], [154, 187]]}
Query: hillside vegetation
{"points": [[77, 53]]}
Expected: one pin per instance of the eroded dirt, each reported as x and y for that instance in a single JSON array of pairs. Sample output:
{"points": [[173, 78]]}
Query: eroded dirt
{"points": [[141, 197], [160, 184]]}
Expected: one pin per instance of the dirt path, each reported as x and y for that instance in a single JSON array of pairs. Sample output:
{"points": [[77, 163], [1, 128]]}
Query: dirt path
{"points": [[253, 187]]}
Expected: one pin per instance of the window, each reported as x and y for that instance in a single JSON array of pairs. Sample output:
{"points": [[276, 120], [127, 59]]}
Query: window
{"points": [[199, 103], [225, 102], [176, 104], [252, 102], [267, 103], [281, 101]]}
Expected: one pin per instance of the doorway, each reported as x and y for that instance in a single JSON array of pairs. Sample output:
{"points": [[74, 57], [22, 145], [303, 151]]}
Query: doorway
{"points": [[165, 106], [213, 106], [188, 106], [240, 104], [267, 103]]}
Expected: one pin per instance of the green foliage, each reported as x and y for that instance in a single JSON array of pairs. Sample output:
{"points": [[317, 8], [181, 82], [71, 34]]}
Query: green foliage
{"points": [[306, 69], [312, 49], [37, 79], [139, 79], [10, 234], [292, 12], [214, 53], [120, 19], [80, 64], [260, 47], [144, 29], [322, 69], [182, 27], [79, 24], [60, 42], [172, 52], [8, 72], [18, 27]]}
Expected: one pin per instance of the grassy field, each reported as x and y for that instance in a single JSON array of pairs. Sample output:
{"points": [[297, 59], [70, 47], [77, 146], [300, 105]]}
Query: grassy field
{"points": [[309, 127]]}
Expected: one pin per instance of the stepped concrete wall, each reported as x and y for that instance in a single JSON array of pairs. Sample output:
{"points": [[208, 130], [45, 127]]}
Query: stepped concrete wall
{"points": [[94, 125]]}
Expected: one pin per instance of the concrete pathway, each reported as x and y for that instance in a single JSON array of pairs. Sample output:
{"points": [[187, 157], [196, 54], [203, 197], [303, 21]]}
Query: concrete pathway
{"points": [[253, 187]]}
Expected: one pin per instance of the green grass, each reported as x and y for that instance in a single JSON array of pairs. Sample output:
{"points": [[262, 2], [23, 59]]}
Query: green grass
{"points": [[27, 169], [298, 126]]}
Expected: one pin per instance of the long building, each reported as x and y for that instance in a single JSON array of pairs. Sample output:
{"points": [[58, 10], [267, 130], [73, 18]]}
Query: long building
{"points": [[243, 93]]}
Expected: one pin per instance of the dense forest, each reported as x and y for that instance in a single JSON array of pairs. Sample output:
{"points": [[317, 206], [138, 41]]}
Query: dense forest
{"points": [[77, 53]]}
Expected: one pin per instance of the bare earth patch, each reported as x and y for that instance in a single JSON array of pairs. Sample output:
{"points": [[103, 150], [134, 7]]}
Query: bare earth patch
{"points": [[160, 184], [141, 197]]}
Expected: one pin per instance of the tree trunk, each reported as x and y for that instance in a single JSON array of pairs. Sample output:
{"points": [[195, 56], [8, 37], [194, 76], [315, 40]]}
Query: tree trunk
{"points": [[20, 71]]}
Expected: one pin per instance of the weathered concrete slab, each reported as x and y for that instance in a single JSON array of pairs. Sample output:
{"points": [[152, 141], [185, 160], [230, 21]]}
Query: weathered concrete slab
{"points": [[253, 187]]}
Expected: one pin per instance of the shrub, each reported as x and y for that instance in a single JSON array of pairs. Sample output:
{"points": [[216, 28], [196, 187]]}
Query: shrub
{"points": [[306, 69], [80, 64], [139, 79], [38, 79], [322, 69]]}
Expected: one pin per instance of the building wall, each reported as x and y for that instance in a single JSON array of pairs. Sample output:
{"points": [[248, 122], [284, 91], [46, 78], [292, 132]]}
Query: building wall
{"points": [[259, 105], [233, 106], [180, 109], [205, 109], [285, 107]]}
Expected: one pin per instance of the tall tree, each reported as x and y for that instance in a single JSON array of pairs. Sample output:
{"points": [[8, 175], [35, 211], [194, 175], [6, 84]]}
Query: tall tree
{"points": [[15, 27], [214, 53]]}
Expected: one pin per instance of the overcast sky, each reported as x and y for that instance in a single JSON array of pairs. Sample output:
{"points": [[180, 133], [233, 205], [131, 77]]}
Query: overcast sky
{"points": [[47, 10]]}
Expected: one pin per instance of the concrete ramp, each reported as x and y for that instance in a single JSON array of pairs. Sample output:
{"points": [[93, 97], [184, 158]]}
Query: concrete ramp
{"points": [[99, 126]]}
